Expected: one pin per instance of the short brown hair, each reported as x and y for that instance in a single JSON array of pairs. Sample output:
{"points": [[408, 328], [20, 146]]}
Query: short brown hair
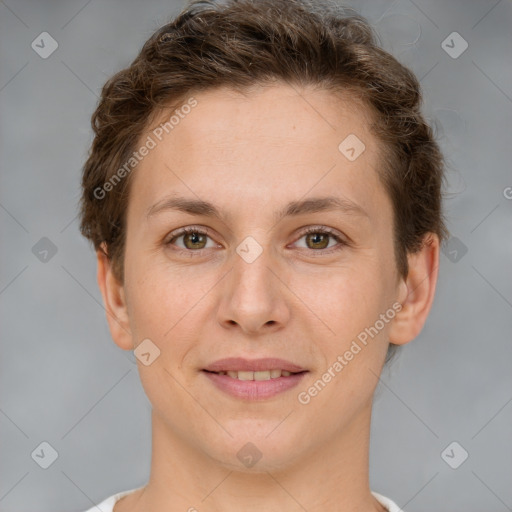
{"points": [[239, 44]]}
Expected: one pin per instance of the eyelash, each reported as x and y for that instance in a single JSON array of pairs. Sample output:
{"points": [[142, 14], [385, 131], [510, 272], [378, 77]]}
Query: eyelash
{"points": [[312, 229]]}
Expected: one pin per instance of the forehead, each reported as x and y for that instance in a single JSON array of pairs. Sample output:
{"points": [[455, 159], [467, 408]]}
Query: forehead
{"points": [[278, 112], [270, 141]]}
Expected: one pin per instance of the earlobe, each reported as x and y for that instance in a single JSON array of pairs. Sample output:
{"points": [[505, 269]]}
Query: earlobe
{"points": [[416, 292], [113, 294]]}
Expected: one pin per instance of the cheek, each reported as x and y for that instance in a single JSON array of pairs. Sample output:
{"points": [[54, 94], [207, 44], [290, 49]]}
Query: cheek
{"points": [[346, 299], [354, 342], [167, 305], [162, 310], [352, 350]]}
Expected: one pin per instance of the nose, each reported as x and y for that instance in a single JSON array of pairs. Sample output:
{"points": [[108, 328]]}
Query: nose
{"points": [[254, 297]]}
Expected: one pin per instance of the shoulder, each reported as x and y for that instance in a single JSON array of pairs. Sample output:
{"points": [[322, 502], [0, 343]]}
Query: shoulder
{"points": [[389, 504], [107, 505]]}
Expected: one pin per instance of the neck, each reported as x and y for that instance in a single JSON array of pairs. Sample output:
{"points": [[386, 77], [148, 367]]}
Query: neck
{"points": [[331, 476]]}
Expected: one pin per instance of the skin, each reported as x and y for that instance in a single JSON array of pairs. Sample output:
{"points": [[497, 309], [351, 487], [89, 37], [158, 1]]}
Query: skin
{"points": [[250, 156]]}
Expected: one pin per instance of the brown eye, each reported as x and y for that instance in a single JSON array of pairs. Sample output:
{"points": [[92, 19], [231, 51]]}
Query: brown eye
{"points": [[318, 240], [194, 239]]}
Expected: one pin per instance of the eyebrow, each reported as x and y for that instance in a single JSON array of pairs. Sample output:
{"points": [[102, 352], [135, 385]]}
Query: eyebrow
{"points": [[294, 208]]}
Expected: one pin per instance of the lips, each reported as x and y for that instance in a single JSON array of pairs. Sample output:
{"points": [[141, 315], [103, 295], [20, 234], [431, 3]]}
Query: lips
{"points": [[240, 364], [250, 390], [263, 375], [254, 379]]}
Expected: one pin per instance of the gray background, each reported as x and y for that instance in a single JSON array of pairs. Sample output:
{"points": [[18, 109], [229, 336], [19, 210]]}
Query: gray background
{"points": [[64, 381]]}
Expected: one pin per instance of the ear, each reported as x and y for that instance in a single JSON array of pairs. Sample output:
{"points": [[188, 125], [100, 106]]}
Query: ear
{"points": [[416, 292], [115, 302]]}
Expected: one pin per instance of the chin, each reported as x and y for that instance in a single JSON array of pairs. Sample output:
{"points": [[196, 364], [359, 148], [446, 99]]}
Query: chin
{"points": [[256, 450]]}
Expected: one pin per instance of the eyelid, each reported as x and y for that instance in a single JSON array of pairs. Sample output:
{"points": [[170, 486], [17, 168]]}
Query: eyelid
{"points": [[323, 229], [185, 230], [340, 239]]}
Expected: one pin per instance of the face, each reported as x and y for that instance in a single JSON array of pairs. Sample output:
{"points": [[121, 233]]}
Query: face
{"points": [[298, 264]]}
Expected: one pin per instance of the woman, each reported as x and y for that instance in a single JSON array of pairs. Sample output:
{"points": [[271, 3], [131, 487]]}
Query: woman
{"points": [[264, 198]]}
